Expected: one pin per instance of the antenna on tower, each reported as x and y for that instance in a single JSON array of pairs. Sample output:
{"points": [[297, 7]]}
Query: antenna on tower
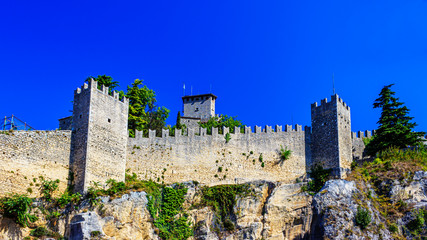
{"points": [[191, 93], [333, 83], [183, 90]]}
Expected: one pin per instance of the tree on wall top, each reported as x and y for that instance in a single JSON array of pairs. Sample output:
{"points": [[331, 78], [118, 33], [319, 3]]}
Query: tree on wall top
{"points": [[108, 82], [395, 126], [144, 114]]}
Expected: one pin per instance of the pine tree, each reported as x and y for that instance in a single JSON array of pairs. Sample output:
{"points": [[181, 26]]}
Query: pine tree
{"points": [[395, 126]]}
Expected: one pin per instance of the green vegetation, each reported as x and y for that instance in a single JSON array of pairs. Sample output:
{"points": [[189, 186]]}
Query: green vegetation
{"points": [[390, 165], [220, 122], [44, 232], [362, 218], [47, 188], [395, 128], [393, 228], [318, 176], [222, 199], [227, 137], [144, 114], [417, 224], [165, 206], [285, 154], [18, 207], [108, 82]]}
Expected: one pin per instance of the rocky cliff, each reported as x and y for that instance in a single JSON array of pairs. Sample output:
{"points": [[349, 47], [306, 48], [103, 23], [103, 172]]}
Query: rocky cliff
{"points": [[267, 210]]}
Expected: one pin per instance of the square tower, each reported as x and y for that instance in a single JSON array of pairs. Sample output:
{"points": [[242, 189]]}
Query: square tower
{"points": [[331, 135], [197, 108], [99, 136]]}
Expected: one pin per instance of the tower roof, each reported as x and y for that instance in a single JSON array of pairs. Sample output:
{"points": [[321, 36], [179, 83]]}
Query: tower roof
{"points": [[200, 95]]}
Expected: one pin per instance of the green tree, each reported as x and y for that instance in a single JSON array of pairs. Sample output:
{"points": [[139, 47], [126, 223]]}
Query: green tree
{"points": [[222, 121], [178, 121], [108, 82], [395, 126], [144, 114]]}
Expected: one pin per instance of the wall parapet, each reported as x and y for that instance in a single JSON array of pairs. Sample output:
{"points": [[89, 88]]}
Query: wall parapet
{"points": [[363, 134], [324, 103], [202, 132], [105, 90]]}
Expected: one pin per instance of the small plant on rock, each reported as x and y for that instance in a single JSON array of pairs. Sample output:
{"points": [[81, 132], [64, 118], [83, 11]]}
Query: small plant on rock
{"points": [[363, 217]]}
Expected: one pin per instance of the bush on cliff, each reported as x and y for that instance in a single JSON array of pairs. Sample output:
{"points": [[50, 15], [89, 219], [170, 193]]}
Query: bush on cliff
{"points": [[362, 218], [222, 199], [18, 207]]}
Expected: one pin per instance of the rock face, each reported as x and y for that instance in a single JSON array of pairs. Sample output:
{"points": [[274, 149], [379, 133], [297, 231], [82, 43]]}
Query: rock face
{"points": [[270, 211], [335, 208]]}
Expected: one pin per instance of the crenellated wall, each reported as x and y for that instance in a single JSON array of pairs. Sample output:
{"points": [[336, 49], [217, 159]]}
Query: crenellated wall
{"points": [[98, 148], [210, 159], [27, 155], [358, 144]]}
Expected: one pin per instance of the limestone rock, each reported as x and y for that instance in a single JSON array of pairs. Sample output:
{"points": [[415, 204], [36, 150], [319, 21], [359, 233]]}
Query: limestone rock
{"points": [[335, 207], [85, 226], [287, 213]]}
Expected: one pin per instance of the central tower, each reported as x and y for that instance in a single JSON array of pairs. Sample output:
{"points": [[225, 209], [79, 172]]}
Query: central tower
{"points": [[197, 108]]}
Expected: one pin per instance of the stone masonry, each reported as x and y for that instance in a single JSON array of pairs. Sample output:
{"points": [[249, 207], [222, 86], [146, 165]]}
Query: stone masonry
{"points": [[99, 136], [98, 147]]}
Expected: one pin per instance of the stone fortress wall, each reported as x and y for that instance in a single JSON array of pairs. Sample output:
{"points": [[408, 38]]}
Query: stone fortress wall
{"points": [[210, 159], [98, 148], [25, 156]]}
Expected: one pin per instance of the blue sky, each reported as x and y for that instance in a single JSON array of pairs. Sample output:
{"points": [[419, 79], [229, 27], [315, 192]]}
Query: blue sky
{"points": [[267, 61]]}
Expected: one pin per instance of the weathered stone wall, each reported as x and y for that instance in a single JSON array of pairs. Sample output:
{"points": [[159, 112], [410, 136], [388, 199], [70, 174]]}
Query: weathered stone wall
{"points": [[66, 123], [358, 144], [210, 159], [331, 135], [102, 155], [27, 155], [344, 136], [325, 134]]}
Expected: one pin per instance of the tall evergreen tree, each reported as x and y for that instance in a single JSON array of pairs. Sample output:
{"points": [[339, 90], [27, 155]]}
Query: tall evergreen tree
{"points": [[395, 126]]}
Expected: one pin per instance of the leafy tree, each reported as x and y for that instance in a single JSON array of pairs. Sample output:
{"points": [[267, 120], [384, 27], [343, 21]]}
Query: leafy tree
{"points": [[395, 126], [108, 82], [221, 121], [144, 114]]}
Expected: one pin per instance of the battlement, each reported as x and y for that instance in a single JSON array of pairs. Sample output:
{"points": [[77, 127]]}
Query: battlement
{"points": [[324, 104], [202, 132], [93, 85], [362, 134]]}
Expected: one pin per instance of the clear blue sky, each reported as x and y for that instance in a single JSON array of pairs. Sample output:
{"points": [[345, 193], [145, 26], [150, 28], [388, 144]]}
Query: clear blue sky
{"points": [[266, 60]]}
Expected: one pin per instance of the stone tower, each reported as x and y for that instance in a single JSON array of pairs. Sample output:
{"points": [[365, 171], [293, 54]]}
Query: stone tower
{"points": [[197, 108], [99, 136], [331, 135]]}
